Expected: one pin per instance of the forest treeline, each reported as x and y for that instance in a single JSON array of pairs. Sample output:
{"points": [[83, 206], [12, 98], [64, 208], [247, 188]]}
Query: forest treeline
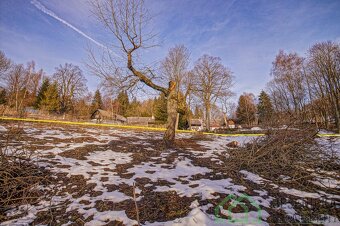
{"points": [[305, 88], [302, 88]]}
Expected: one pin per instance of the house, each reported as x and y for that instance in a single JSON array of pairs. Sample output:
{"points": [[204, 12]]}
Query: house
{"points": [[214, 126], [196, 124], [230, 124], [144, 121], [101, 115], [31, 111]]}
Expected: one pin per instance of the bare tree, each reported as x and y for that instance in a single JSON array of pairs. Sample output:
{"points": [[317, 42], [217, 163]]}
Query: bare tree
{"points": [[22, 84], [323, 76], [211, 81], [246, 109], [71, 84], [287, 85], [128, 20], [308, 87], [175, 68], [5, 64]]}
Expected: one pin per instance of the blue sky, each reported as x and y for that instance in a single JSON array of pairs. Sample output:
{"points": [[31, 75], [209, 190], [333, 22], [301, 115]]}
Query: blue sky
{"points": [[246, 35]]}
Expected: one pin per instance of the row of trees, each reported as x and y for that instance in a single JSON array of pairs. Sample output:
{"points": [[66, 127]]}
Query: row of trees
{"points": [[252, 112], [24, 86], [65, 92], [308, 88], [304, 89]]}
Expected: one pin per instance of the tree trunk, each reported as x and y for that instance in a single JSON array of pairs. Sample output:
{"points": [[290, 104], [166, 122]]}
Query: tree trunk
{"points": [[169, 135], [207, 115], [177, 121]]}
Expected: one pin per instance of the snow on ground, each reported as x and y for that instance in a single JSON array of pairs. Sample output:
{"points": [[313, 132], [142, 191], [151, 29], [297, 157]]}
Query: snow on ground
{"points": [[330, 144], [253, 177], [120, 167], [3, 129]]}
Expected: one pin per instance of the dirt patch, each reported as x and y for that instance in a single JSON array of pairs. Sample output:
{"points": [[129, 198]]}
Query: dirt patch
{"points": [[80, 153]]}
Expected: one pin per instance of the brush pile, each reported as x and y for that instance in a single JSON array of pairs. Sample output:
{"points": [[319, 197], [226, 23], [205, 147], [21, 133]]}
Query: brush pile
{"points": [[20, 178], [289, 152]]}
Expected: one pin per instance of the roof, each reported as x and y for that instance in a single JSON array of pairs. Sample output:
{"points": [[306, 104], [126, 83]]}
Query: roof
{"points": [[108, 115], [140, 119], [120, 118], [101, 112], [230, 122], [195, 122]]}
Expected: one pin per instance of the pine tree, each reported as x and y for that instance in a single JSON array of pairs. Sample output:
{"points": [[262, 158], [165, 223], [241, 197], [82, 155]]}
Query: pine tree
{"points": [[134, 108], [160, 108], [97, 102], [198, 112], [264, 107], [184, 112], [51, 100], [3, 98], [44, 86], [123, 101]]}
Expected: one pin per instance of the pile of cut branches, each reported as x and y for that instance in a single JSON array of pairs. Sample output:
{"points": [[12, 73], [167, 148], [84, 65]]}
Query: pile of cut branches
{"points": [[289, 152], [20, 178]]}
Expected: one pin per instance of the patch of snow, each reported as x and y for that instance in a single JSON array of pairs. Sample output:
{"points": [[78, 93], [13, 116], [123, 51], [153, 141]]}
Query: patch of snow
{"points": [[205, 188], [327, 182], [101, 218], [3, 129], [198, 217], [290, 211], [255, 129], [298, 193], [182, 168], [330, 145], [253, 177], [327, 220]]}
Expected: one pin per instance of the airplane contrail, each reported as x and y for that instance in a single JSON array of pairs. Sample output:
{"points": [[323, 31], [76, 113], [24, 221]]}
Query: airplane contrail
{"points": [[43, 9]]}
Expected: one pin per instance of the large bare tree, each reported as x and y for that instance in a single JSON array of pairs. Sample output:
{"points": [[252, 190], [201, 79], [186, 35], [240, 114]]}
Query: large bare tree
{"points": [[5, 64], [323, 77], [71, 84], [287, 85], [128, 21], [22, 84], [212, 80], [246, 109], [175, 68]]}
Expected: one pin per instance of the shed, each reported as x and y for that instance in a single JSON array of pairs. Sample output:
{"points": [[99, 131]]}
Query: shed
{"points": [[196, 124], [101, 115], [231, 124], [140, 120]]}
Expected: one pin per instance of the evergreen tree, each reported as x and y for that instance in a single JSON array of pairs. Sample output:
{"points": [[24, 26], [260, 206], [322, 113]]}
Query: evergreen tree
{"points": [[44, 86], [3, 98], [160, 108], [123, 101], [264, 107], [134, 108], [198, 112], [97, 102], [184, 112], [51, 100]]}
